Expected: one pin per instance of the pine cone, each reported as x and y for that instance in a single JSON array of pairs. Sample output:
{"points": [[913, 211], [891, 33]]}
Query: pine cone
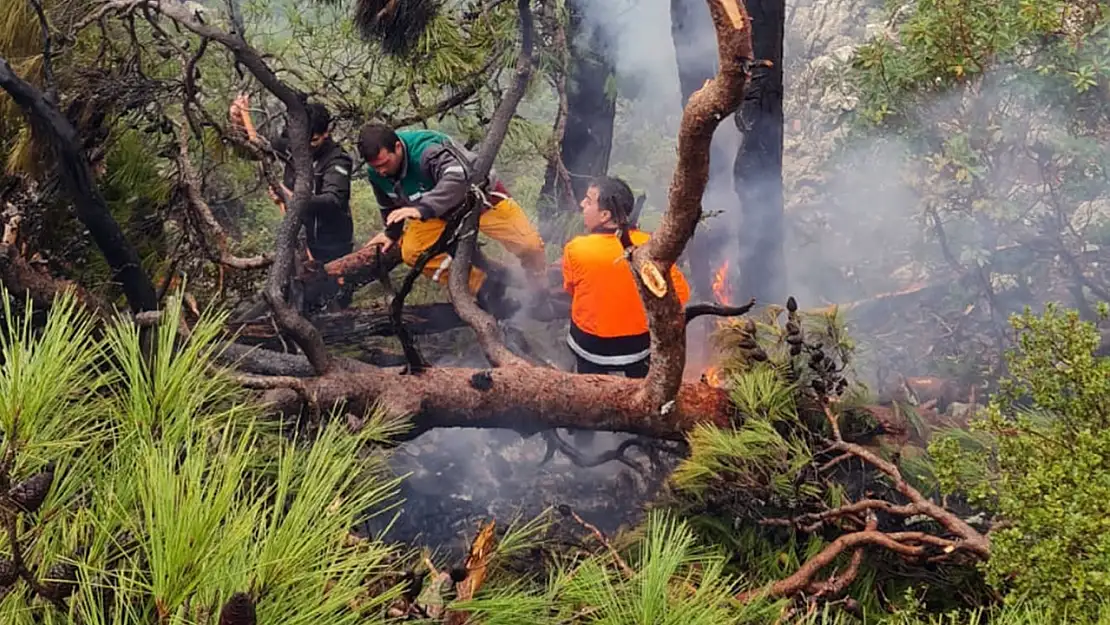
{"points": [[61, 581], [31, 492], [239, 610], [748, 327], [8, 572]]}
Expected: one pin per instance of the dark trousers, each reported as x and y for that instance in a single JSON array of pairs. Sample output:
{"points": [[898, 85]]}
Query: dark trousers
{"points": [[638, 369], [326, 251]]}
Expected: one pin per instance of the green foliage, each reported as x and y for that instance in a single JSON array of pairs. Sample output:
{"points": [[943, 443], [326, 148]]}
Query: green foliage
{"points": [[1041, 458], [672, 579], [945, 43], [171, 494]]}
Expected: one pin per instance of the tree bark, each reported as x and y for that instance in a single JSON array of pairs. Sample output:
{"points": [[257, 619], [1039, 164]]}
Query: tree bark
{"points": [[591, 113], [19, 277], [484, 325], [758, 168], [717, 99], [520, 397]]}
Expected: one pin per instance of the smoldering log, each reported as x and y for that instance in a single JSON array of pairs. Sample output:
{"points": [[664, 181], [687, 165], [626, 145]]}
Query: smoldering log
{"points": [[519, 397], [353, 327]]}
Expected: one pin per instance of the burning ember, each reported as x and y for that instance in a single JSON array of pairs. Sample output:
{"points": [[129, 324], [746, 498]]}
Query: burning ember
{"points": [[720, 284], [713, 376]]}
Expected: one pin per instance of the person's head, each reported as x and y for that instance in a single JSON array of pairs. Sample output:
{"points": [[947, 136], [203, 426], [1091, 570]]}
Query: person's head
{"points": [[382, 148], [608, 202], [319, 123]]}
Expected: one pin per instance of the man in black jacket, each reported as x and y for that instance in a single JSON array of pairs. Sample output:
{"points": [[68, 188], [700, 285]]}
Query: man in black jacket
{"points": [[327, 218]]}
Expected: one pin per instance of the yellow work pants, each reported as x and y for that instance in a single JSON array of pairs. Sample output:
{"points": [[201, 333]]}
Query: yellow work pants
{"points": [[505, 223]]}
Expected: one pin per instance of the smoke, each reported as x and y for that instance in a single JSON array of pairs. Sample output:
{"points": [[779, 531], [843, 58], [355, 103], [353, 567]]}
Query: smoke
{"points": [[459, 477], [857, 206], [856, 229]]}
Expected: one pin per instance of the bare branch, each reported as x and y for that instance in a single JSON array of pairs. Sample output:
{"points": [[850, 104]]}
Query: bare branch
{"points": [[625, 569], [975, 541], [212, 233], [50, 84], [458, 283]]}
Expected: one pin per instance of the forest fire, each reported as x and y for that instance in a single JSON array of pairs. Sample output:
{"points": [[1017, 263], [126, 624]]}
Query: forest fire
{"points": [[713, 376], [720, 284]]}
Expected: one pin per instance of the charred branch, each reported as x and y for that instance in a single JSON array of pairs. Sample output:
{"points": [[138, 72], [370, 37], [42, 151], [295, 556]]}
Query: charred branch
{"points": [[215, 239], [77, 178], [693, 311], [757, 171]]}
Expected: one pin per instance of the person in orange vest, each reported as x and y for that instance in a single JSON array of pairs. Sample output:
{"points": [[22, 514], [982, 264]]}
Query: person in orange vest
{"points": [[608, 324]]}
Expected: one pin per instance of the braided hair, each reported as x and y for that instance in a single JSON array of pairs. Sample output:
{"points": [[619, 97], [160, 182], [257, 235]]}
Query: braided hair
{"points": [[614, 195]]}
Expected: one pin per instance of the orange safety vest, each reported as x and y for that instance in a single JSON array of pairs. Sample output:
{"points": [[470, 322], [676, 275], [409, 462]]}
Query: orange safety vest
{"points": [[608, 322]]}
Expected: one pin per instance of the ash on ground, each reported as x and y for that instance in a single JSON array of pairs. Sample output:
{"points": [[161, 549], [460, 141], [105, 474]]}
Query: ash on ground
{"points": [[460, 477]]}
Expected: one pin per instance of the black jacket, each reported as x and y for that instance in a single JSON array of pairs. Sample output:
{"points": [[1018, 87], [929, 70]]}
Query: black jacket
{"points": [[327, 218]]}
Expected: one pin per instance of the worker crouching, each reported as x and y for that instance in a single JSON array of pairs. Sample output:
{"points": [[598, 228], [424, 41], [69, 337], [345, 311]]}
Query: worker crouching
{"points": [[609, 326], [419, 178]]}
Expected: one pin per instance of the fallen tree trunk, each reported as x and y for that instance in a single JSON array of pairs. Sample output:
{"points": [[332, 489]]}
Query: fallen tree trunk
{"points": [[520, 397], [356, 325]]}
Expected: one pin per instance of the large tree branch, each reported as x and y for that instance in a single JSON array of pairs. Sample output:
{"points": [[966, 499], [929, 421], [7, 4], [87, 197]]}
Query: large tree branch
{"points": [[458, 282], [77, 178], [214, 238], [706, 108], [303, 333]]}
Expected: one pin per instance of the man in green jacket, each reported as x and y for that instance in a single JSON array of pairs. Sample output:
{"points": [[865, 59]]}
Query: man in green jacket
{"points": [[419, 177]]}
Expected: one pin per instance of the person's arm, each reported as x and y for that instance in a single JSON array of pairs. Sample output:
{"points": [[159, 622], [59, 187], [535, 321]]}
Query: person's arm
{"points": [[449, 192], [335, 187], [387, 205], [570, 278]]}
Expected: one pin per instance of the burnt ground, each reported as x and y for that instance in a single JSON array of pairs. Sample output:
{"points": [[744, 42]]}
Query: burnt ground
{"points": [[461, 477]]}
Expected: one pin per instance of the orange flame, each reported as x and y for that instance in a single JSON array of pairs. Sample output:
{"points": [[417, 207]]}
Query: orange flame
{"points": [[713, 377], [720, 284]]}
